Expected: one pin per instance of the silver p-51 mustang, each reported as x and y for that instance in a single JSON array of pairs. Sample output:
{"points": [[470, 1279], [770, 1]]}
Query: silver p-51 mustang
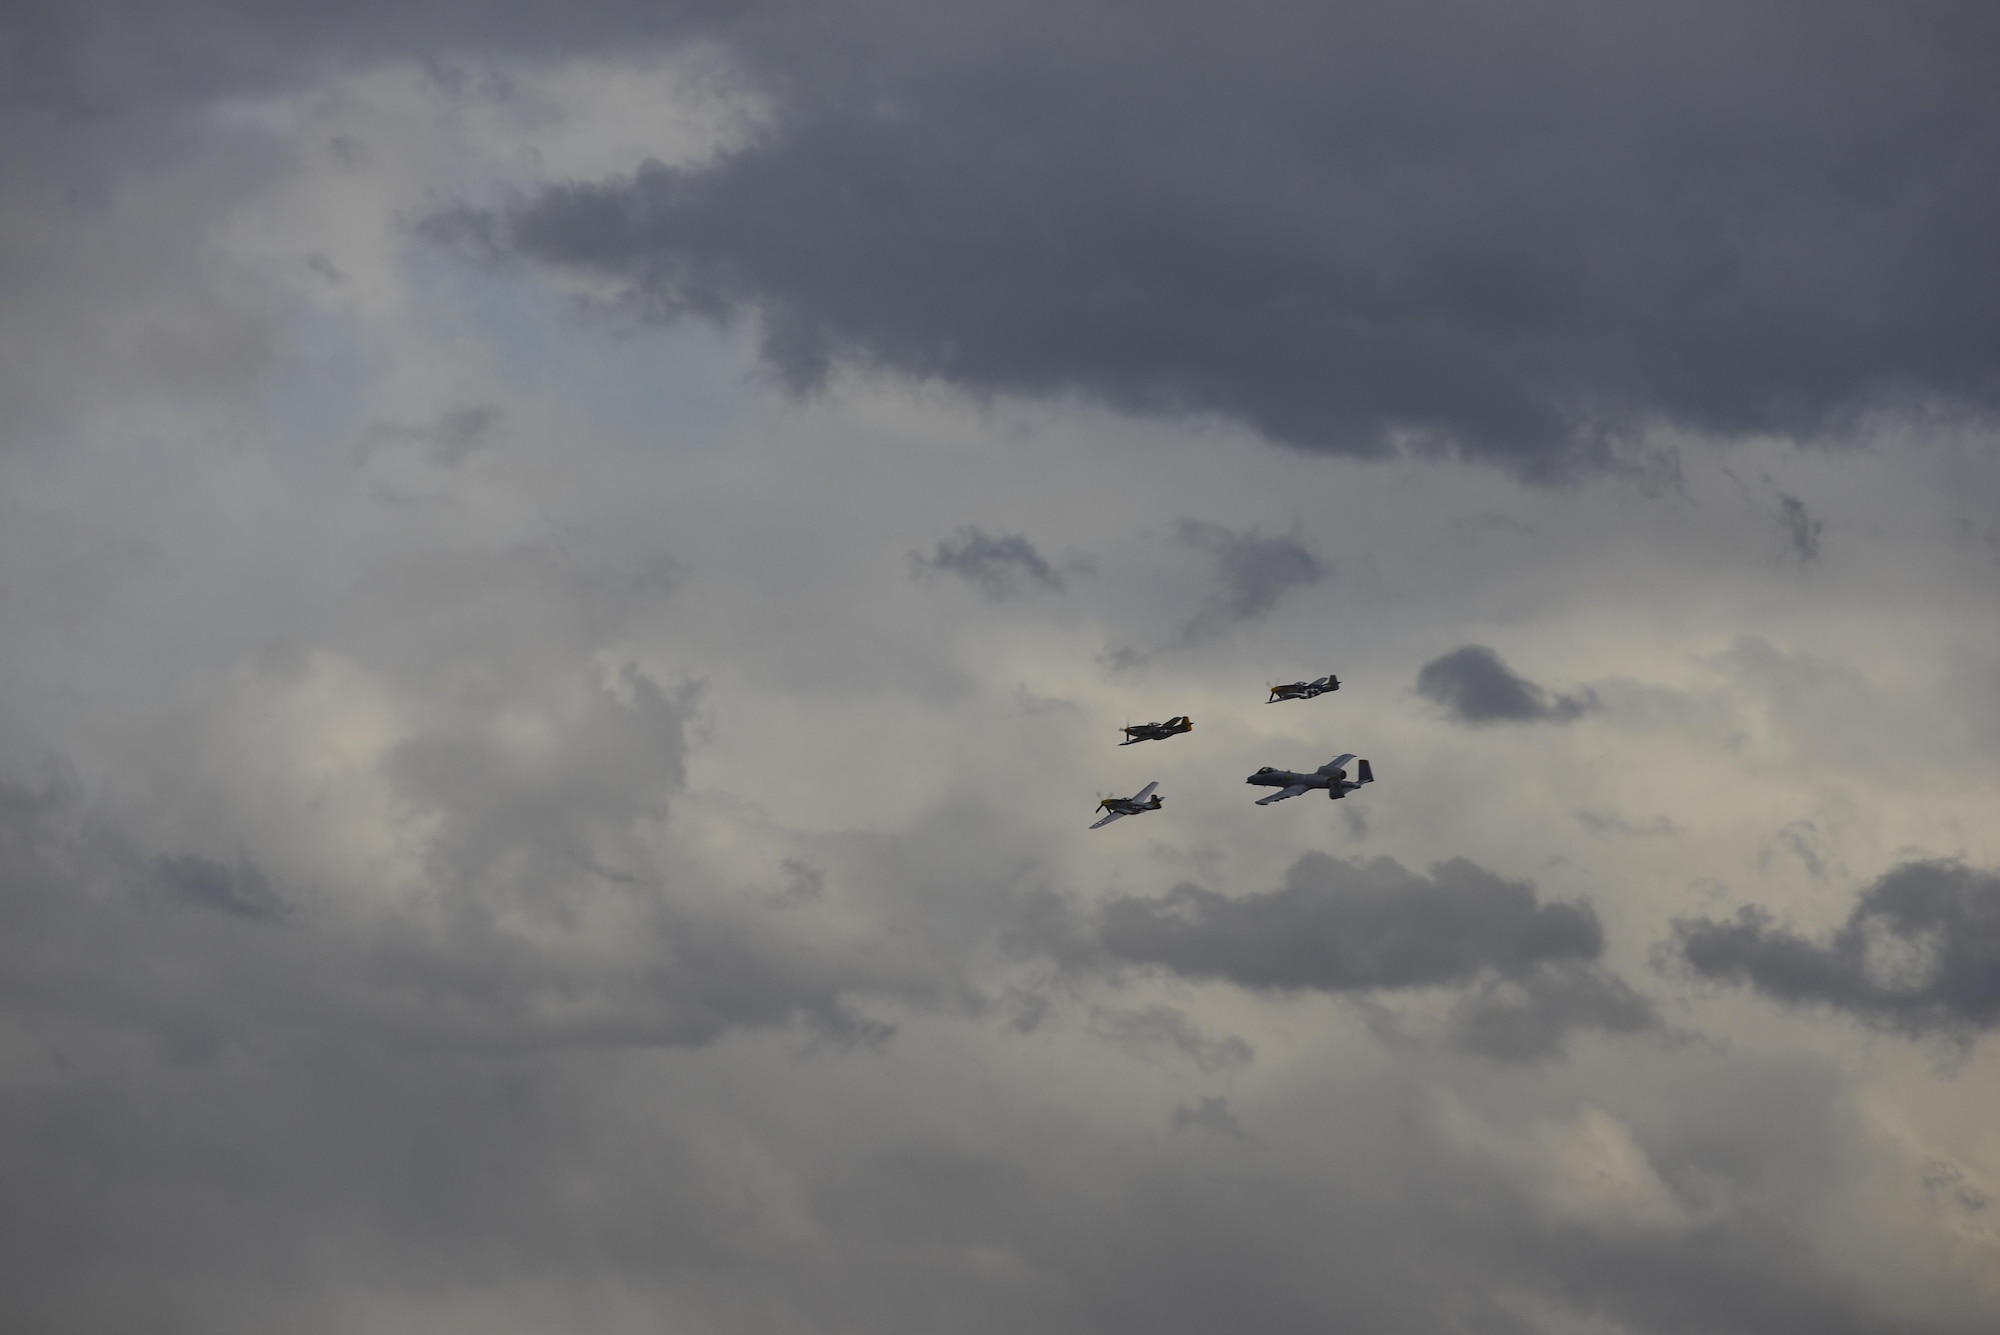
{"points": [[1128, 806], [1156, 732], [1304, 690], [1329, 776]]}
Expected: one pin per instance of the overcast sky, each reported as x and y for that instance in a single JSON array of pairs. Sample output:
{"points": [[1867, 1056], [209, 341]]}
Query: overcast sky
{"points": [[569, 577]]}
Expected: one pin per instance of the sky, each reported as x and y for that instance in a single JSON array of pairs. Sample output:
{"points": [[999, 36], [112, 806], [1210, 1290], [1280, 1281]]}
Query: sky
{"points": [[570, 576]]}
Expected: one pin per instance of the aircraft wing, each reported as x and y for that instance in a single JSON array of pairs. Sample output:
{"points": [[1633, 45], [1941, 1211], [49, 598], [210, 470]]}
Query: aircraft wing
{"points": [[1282, 794], [1107, 820], [1336, 763], [1145, 792]]}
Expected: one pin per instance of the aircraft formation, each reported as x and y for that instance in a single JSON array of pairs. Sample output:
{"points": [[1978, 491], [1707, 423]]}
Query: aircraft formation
{"points": [[1330, 777]]}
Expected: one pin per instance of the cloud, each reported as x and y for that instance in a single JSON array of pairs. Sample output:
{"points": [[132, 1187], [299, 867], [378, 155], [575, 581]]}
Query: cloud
{"points": [[465, 917], [1384, 245], [456, 433], [1211, 1114], [242, 890], [1475, 687], [1000, 566], [1919, 953], [1800, 527], [1252, 572], [1526, 1019], [1354, 927], [1339, 926], [1166, 1027]]}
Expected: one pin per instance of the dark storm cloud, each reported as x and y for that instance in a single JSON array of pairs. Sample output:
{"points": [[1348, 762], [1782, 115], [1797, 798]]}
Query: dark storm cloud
{"points": [[998, 565], [1512, 232], [1474, 686], [1918, 954], [114, 57]]}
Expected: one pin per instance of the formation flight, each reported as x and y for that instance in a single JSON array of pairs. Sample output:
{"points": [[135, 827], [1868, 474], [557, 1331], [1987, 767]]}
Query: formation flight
{"points": [[1329, 776], [1128, 806], [1157, 732], [1304, 690]]}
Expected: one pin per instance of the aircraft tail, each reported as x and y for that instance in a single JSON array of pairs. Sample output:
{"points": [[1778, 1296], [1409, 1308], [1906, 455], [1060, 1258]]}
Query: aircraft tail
{"points": [[1367, 774]]}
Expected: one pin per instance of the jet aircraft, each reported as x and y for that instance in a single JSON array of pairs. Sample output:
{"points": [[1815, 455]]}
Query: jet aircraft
{"points": [[1303, 690], [1157, 732], [1329, 776], [1128, 806]]}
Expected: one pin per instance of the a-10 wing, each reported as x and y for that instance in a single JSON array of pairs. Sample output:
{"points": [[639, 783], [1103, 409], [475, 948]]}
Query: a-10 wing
{"points": [[1283, 793], [1336, 763]]}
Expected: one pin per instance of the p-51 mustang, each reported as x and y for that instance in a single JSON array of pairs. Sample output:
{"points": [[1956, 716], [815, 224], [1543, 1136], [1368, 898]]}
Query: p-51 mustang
{"points": [[1329, 776], [1304, 690], [1128, 806], [1157, 732]]}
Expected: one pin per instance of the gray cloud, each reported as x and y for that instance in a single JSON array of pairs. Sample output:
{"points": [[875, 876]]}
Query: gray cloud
{"points": [[1253, 570], [1355, 926], [998, 565], [1211, 1114], [241, 890], [1386, 243], [1800, 527], [1166, 1027], [1474, 686], [1350, 927], [1528, 1018], [446, 442], [1338, 926], [1918, 954]]}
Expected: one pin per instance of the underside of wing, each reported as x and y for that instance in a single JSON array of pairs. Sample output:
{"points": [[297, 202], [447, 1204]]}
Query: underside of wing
{"points": [[1107, 820], [1336, 763], [1282, 794]]}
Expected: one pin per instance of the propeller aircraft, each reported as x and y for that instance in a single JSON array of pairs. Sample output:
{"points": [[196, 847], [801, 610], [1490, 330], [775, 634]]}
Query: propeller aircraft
{"points": [[1304, 690], [1157, 732], [1128, 806]]}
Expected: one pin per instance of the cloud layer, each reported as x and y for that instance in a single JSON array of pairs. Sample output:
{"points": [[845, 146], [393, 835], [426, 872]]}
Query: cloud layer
{"points": [[1515, 234], [514, 818]]}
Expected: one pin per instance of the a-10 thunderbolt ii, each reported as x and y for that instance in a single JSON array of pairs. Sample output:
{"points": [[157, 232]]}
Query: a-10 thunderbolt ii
{"points": [[1303, 690], [1157, 732], [1330, 776], [1128, 806]]}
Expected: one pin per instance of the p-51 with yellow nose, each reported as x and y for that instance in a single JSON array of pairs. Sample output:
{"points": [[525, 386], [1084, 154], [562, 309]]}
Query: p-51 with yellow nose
{"points": [[1134, 805], [1329, 776]]}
